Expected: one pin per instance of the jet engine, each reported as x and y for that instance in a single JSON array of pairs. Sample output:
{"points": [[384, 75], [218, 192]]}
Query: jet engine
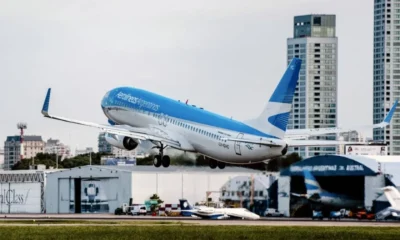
{"points": [[284, 150], [122, 142]]}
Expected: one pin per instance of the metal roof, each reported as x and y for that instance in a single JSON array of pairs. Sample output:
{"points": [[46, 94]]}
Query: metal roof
{"points": [[348, 165]]}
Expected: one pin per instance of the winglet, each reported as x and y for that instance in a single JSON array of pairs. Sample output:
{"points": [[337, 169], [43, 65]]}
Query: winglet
{"points": [[389, 116], [45, 109]]}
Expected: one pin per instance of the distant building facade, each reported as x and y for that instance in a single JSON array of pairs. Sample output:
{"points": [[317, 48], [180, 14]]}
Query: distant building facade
{"points": [[54, 146], [352, 136], [32, 145], [1, 158], [386, 71], [105, 147], [314, 105], [83, 151]]}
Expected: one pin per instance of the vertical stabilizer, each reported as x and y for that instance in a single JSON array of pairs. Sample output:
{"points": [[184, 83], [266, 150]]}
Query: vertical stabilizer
{"points": [[275, 116], [185, 205], [311, 183], [393, 196]]}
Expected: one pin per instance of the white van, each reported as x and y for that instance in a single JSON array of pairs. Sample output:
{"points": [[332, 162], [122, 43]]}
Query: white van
{"points": [[138, 210]]}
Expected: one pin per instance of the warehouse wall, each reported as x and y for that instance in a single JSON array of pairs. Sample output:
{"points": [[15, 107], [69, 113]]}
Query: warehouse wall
{"points": [[108, 189], [284, 195], [373, 185], [171, 186], [20, 197]]}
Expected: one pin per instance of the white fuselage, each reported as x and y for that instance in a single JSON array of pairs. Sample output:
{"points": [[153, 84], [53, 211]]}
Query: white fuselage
{"points": [[195, 137], [339, 202]]}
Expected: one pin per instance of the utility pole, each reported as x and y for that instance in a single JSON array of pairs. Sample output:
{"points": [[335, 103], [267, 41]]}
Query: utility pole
{"points": [[90, 158], [56, 160]]}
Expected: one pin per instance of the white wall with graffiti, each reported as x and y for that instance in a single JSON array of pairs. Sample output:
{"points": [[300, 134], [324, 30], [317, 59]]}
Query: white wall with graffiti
{"points": [[20, 198], [22, 191]]}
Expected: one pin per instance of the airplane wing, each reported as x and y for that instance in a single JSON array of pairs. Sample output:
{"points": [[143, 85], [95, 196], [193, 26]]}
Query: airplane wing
{"points": [[315, 143], [268, 143], [305, 133], [136, 133]]}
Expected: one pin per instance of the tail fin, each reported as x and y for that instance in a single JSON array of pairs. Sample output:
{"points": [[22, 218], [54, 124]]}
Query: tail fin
{"points": [[185, 205], [273, 120], [312, 185], [393, 196]]}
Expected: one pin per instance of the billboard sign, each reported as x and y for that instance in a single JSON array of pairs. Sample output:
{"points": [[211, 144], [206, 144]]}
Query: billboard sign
{"points": [[20, 198], [372, 150]]}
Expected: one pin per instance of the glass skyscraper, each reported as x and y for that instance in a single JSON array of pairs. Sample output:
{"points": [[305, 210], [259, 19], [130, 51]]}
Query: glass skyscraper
{"points": [[387, 71]]}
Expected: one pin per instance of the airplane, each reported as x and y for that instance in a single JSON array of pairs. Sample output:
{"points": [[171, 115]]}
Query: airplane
{"points": [[135, 115], [393, 196], [215, 213], [315, 194]]}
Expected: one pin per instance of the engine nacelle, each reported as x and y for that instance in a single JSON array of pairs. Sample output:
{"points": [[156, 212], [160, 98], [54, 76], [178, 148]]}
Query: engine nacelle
{"points": [[284, 150], [122, 142]]}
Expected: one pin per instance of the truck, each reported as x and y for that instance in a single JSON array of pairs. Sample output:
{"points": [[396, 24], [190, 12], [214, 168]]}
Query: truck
{"points": [[272, 212]]}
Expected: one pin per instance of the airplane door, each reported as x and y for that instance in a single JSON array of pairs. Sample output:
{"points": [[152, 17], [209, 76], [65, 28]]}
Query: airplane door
{"points": [[237, 145]]}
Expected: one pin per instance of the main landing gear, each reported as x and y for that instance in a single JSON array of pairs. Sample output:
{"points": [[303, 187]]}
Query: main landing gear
{"points": [[161, 159], [214, 164]]}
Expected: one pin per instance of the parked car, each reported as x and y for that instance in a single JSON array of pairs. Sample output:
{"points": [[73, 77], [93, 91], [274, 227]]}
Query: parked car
{"points": [[317, 215], [337, 215], [138, 210], [272, 212]]}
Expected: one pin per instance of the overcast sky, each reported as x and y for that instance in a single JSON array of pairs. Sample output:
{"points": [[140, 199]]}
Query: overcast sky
{"points": [[224, 55]]}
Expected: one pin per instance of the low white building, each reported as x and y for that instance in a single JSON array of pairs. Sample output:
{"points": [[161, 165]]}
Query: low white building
{"points": [[94, 189], [245, 187]]}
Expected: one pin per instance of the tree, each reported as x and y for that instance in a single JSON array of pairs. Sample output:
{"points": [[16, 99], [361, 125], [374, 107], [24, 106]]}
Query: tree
{"points": [[155, 207]]}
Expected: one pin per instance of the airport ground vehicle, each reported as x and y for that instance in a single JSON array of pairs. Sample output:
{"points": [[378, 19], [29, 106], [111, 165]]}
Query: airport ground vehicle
{"points": [[365, 215], [317, 215], [337, 215], [138, 210], [272, 212]]}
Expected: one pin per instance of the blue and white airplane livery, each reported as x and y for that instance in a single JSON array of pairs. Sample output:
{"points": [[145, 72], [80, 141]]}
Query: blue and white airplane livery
{"points": [[316, 194], [136, 115]]}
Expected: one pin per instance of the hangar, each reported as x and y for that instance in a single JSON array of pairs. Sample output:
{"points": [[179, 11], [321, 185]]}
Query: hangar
{"points": [[350, 182], [100, 188]]}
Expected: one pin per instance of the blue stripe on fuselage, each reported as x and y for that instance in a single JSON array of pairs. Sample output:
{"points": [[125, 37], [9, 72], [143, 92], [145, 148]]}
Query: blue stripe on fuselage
{"points": [[161, 105]]}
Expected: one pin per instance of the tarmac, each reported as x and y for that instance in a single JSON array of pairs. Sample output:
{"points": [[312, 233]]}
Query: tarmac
{"points": [[270, 221]]}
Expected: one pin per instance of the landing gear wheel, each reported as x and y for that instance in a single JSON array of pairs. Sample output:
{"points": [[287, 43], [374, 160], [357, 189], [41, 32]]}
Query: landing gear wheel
{"points": [[213, 163], [166, 161], [157, 161], [221, 165]]}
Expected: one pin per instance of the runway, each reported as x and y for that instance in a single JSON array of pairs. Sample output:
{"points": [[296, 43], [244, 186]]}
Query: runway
{"points": [[104, 219]]}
